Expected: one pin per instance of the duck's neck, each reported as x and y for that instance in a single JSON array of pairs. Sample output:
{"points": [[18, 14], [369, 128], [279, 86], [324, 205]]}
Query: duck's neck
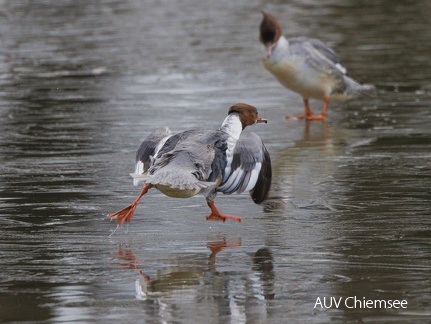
{"points": [[283, 42], [281, 47], [232, 125]]}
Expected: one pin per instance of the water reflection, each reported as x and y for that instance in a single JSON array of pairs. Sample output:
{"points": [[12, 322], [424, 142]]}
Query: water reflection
{"points": [[236, 295], [172, 278], [299, 177], [263, 266]]}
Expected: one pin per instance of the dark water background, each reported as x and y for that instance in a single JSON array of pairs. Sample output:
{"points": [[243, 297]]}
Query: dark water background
{"points": [[82, 82]]}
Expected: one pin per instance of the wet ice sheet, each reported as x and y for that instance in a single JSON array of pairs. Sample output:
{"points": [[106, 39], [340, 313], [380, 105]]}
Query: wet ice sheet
{"points": [[348, 214]]}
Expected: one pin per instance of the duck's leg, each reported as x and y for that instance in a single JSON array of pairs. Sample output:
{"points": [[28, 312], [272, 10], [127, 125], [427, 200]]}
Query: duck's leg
{"points": [[126, 214], [217, 216], [308, 112], [321, 116]]}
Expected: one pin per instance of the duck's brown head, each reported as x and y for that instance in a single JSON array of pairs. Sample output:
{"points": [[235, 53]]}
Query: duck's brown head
{"points": [[247, 114], [270, 31]]}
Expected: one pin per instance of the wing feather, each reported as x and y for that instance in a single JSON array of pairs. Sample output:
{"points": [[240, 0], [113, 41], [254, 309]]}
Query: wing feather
{"points": [[319, 55], [250, 169], [149, 148]]}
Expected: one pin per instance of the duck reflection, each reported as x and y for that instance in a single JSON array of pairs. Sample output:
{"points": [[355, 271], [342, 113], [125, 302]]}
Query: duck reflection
{"points": [[175, 289], [305, 168], [263, 267], [320, 132], [317, 135], [216, 246], [173, 277]]}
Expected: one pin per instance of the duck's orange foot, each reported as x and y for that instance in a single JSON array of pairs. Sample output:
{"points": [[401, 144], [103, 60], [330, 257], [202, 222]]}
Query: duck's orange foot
{"points": [[217, 216], [222, 217], [124, 215], [316, 117], [308, 117]]}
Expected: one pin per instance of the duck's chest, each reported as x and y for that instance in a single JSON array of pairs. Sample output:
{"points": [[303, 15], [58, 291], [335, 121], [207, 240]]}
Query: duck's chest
{"points": [[295, 73]]}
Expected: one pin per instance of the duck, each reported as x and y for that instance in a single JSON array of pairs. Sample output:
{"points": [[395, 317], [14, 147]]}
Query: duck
{"points": [[207, 162], [308, 67]]}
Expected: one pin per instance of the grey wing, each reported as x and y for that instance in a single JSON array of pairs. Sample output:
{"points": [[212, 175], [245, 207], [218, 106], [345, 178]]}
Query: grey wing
{"points": [[324, 49], [173, 140], [149, 148], [319, 55], [250, 169]]}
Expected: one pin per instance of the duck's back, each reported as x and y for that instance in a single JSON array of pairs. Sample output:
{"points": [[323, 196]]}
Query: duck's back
{"points": [[182, 167]]}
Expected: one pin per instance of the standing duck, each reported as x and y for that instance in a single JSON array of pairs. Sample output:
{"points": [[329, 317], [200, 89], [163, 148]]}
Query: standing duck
{"points": [[307, 66], [195, 162]]}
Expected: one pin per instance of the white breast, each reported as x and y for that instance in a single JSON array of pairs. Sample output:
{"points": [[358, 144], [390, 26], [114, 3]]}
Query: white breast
{"points": [[233, 127]]}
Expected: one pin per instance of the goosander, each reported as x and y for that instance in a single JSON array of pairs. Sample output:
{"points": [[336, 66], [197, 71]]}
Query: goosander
{"points": [[307, 66], [195, 162]]}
